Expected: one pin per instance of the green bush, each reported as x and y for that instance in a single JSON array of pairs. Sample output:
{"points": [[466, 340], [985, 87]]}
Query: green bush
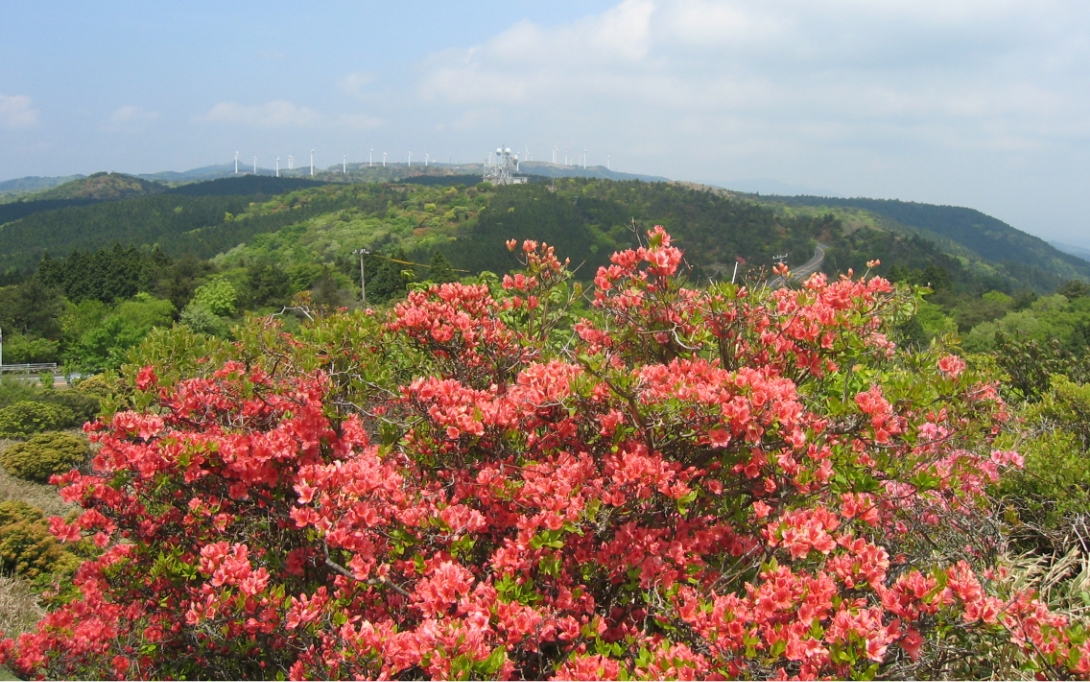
{"points": [[98, 386], [84, 407], [1054, 487], [27, 548], [44, 455], [27, 417]]}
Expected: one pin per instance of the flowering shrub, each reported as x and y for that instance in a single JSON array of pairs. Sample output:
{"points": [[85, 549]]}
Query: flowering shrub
{"points": [[725, 483]]}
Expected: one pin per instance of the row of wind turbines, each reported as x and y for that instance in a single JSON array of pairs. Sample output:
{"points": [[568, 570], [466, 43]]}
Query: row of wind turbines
{"points": [[427, 160]]}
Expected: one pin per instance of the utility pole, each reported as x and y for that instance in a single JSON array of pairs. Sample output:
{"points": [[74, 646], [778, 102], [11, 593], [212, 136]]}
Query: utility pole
{"points": [[363, 277]]}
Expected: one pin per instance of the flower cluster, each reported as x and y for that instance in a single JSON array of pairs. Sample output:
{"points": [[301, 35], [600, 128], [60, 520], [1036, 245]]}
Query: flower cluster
{"points": [[695, 483]]}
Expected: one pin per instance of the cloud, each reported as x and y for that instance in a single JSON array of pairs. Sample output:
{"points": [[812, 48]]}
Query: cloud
{"points": [[275, 114], [353, 84], [16, 112], [991, 74], [129, 118], [359, 121]]}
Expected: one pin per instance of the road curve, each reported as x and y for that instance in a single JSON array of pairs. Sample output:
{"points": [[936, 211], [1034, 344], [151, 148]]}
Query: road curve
{"points": [[809, 267]]}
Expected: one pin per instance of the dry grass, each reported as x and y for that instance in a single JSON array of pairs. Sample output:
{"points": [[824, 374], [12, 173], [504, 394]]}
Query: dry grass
{"points": [[43, 497], [19, 607]]}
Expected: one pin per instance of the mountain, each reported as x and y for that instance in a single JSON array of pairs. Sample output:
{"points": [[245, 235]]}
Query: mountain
{"points": [[1079, 251], [34, 183], [552, 170], [213, 172], [445, 208], [101, 187], [965, 233]]}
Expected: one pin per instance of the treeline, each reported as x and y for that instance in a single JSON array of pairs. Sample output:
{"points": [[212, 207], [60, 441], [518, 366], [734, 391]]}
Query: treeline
{"points": [[1022, 258]]}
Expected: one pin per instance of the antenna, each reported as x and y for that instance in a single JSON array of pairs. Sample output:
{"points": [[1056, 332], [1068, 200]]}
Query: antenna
{"points": [[312, 163], [236, 163]]}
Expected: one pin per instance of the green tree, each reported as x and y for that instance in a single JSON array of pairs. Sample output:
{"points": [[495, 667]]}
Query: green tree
{"points": [[440, 270]]}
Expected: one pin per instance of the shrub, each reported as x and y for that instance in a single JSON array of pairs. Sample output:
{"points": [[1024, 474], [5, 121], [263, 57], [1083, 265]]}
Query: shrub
{"points": [[27, 548], [43, 455], [97, 386], [28, 417], [720, 483], [84, 407]]}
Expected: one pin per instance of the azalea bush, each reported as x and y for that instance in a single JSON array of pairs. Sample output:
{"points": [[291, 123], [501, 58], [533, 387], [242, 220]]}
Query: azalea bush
{"points": [[719, 483]]}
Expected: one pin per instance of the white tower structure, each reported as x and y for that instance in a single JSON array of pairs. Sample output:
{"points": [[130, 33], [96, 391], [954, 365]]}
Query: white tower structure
{"points": [[236, 163], [278, 166], [291, 162], [344, 164], [502, 170], [255, 165], [312, 162], [370, 157]]}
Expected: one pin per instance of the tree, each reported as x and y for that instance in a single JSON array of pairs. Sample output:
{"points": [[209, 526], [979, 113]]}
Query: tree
{"points": [[683, 483], [266, 285], [440, 269]]}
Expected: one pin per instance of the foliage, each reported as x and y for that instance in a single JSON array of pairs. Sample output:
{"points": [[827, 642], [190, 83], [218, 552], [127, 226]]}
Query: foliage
{"points": [[19, 349], [104, 275], [26, 417], [217, 296], [1053, 491], [43, 455], [104, 345], [27, 548], [733, 482]]}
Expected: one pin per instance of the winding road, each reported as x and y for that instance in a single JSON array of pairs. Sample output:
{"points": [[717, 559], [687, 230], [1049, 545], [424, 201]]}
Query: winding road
{"points": [[809, 267]]}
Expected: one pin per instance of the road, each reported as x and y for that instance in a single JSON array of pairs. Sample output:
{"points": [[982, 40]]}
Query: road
{"points": [[809, 267]]}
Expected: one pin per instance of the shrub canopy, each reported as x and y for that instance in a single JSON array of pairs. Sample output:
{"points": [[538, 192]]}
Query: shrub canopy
{"points": [[731, 482]]}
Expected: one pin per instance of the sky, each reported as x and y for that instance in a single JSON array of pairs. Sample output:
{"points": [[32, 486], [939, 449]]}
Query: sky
{"points": [[978, 103]]}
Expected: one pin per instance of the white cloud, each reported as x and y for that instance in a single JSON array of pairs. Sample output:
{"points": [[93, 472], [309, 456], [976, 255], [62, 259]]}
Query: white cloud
{"points": [[994, 74], [275, 114], [354, 83], [359, 121], [16, 111], [130, 118]]}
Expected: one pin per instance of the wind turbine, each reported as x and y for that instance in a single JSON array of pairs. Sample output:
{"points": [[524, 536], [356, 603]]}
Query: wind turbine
{"points": [[607, 163], [554, 154], [255, 165], [278, 166], [236, 163], [291, 162], [427, 157], [344, 164], [410, 159], [312, 163], [383, 159], [584, 159], [370, 159]]}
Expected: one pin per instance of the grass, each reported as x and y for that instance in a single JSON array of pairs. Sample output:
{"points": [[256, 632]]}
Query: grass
{"points": [[42, 496]]}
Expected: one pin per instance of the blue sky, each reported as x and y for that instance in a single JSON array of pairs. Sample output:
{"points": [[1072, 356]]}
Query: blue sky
{"points": [[980, 103]]}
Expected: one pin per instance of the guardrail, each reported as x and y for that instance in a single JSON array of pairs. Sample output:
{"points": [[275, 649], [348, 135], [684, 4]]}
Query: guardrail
{"points": [[32, 367]]}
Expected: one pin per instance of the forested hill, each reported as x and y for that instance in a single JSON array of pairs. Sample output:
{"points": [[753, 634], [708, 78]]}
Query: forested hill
{"points": [[987, 237], [299, 222], [102, 187]]}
